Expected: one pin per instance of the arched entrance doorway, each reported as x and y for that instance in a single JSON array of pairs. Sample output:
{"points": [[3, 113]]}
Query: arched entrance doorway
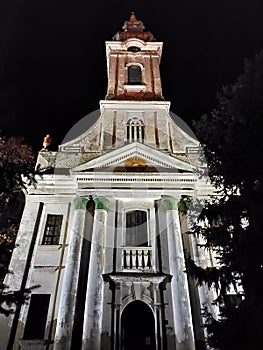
{"points": [[137, 327]]}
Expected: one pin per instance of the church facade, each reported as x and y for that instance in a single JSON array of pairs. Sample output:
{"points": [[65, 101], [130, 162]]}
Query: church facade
{"points": [[104, 233]]}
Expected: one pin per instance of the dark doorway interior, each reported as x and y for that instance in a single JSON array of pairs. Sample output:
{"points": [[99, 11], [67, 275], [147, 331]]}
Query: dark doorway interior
{"points": [[137, 327], [37, 316]]}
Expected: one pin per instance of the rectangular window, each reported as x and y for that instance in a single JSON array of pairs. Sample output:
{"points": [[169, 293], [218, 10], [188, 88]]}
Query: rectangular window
{"points": [[37, 317], [52, 229], [136, 228]]}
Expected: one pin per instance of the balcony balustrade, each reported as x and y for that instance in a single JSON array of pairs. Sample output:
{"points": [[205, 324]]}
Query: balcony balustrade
{"points": [[137, 258]]}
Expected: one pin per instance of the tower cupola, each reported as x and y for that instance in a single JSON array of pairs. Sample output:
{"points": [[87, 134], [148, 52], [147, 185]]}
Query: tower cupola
{"points": [[133, 29]]}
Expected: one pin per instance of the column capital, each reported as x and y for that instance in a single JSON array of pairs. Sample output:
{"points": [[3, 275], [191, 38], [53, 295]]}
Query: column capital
{"points": [[184, 204], [80, 203], [101, 203], [170, 203]]}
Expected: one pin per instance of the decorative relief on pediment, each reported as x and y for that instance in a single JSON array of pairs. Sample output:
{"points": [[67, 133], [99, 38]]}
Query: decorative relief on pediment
{"points": [[135, 162]]}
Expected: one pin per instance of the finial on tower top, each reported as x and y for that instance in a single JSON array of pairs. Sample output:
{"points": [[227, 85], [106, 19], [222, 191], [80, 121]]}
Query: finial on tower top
{"points": [[133, 17], [133, 28]]}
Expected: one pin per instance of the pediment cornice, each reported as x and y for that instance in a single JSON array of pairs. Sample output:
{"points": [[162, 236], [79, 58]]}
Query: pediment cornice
{"points": [[151, 156]]}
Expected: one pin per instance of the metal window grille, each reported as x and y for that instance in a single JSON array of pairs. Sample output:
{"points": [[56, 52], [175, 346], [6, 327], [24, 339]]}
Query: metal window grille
{"points": [[52, 229]]}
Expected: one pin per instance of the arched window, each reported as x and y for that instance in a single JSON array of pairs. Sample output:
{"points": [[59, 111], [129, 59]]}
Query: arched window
{"points": [[135, 130], [134, 75], [136, 228]]}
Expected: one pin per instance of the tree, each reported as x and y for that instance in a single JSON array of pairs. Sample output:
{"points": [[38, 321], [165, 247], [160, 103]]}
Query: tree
{"points": [[16, 159], [232, 140]]}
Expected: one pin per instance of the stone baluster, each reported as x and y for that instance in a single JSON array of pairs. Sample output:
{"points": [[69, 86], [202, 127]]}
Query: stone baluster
{"points": [[70, 281], [94, 296], [179, 286]]}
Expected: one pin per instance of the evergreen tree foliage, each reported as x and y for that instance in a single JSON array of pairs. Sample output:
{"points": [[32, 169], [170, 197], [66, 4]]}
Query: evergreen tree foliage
{"points": [[232, 141], [16, 167]]}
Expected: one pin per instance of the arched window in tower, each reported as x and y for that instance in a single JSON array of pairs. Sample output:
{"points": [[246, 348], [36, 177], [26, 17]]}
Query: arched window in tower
{"points": [[134, 75], [135, 130], [136, 229]]}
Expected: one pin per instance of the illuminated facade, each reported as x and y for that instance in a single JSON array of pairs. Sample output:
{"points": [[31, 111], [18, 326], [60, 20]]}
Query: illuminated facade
{"points": [[105, 232]]}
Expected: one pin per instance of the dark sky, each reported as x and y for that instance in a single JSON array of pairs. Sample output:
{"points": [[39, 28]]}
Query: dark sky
{"points": [[53, 65]]}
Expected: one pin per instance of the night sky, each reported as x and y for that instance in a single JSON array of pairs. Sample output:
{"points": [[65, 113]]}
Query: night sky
{"points": [[53, 63]]}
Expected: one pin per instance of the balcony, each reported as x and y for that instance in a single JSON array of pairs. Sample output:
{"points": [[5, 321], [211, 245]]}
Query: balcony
{"points": [[137, 258]]}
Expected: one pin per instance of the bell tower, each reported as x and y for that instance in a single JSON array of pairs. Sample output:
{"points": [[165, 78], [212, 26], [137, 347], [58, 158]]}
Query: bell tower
{"points": [[133, 59]]}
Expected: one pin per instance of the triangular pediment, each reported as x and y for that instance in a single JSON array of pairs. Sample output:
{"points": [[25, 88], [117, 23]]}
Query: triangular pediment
{"points": [[135, 156]]}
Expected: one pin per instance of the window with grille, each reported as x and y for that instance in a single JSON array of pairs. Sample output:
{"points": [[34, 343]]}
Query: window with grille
{"points": [[136, 228], [37, 316], [135, 130], [134, 75], [52, 229]]}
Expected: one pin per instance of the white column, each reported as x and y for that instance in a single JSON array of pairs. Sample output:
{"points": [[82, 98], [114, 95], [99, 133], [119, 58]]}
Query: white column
{"points": [[67, 304], [179, 286], [92, 326]]}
